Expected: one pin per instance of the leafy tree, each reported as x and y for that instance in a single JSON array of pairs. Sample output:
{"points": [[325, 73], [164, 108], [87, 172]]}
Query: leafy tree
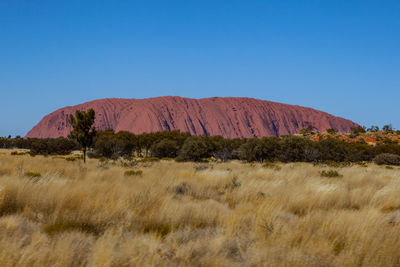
{"points": [[195, 148], [387, 128], [294, 148], [358, 151], [106, 144], [249, 151], [357, 130], [175, 135], [146, 140], [128, 142], [165, 148], [373, 128], [83, 130], [333, 149], [265, 149], [224, 149]]}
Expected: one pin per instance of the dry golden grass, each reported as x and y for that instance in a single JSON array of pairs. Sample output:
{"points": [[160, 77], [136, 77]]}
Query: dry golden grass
{"points": [[186, 214]]}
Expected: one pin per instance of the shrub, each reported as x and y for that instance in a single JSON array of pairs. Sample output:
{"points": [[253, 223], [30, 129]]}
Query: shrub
{"points": [[110, 144], [159, 228], [128, 143], [270, 165], [265, 149], [6, 142], [387, 128], [331, 131], [106, 144], [195, 148], [386, 148], [358, 151], [133, 173], [293, 148], [330, 174], [307, 131], [333, 150], [373, 128], [335, 164], [124, 164], [52, 146], [224, 149], [182, 188], [165, 148], [33, 174], [55, 228], [16, 153], [387, 159], [357, 130]]}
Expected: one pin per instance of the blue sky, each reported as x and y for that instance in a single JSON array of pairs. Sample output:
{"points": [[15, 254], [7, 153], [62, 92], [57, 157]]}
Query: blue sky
{"points": [[342, 57]]}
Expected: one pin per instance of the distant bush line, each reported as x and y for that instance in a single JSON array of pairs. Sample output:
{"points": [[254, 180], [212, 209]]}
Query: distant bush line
{"points": [[41, 146], [184, 147]]}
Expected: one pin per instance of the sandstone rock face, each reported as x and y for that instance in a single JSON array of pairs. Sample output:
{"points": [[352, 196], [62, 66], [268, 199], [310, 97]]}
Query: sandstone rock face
{"points": [[229, 117]]}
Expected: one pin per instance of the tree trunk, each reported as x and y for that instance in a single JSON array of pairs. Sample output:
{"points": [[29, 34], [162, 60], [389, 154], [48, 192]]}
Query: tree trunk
{"points": [[84, 155]]}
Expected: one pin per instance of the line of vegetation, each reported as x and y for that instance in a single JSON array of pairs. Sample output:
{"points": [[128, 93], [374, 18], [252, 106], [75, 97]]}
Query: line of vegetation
{"points": [[183, 147]]}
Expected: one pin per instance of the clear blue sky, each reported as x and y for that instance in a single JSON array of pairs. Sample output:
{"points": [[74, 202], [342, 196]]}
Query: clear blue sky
{"points": [[342, 57]]}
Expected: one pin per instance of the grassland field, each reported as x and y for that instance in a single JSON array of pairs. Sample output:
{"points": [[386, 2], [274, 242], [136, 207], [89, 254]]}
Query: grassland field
{"points": [[57, 211]]}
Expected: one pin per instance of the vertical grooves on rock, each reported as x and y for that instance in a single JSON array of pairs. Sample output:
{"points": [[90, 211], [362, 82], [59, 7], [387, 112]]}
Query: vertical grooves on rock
{"points": [[229, 117]]}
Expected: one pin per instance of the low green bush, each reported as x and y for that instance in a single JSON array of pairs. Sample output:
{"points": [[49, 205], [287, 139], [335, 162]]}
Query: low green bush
{"points": [[165, 148], [127, 163], [387, 159], [16, 153], [340, 164], [133, 173], [56, 228], [330, 174], [270, 165], [159, 228], [33, 174], [182, 189], [331, 131], [149, 159], [52, 146]]}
